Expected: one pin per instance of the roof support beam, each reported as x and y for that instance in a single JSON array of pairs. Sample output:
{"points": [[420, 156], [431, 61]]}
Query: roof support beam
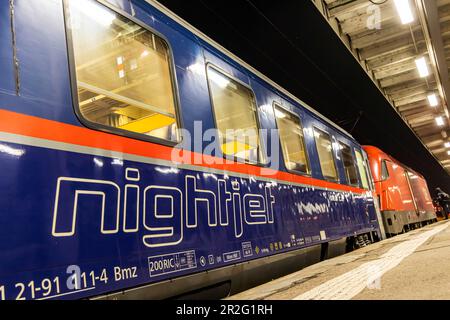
{"points": [[384, 34], [398, 79], [399, 57], [391, 46], [414, 88]]}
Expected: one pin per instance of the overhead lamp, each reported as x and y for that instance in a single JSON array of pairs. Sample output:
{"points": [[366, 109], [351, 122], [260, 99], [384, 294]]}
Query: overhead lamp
{"points": [[422, 66], [404, 11], [440, 121], [432, 99], [447, 144], [448, 152]]}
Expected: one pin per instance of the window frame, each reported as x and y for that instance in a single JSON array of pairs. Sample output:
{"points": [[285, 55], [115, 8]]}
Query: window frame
{"points": [[74, 87], [384, 161], [353, 161], [366, 171], [333, 154], [259, 163], [276, 104]]}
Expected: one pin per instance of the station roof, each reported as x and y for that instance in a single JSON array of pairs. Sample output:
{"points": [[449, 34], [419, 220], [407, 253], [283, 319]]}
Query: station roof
{"points": [[388, 49], [353, 61]]}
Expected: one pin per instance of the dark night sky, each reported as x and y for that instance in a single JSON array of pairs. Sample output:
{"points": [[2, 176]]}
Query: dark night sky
{"points": [[290, 42]]}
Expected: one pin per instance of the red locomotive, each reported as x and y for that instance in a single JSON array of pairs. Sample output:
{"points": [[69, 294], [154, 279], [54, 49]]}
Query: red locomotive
{"points": [[403, 194]]}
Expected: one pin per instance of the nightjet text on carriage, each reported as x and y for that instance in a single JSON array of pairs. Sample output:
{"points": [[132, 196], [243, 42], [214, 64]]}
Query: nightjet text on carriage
{"points": [[164, 212]]}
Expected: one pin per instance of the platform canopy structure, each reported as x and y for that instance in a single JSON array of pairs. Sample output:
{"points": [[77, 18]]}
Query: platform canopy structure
{"points": [[351, 60], [404, 45]]}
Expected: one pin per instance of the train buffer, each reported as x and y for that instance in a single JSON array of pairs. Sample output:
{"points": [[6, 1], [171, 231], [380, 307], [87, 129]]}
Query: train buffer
{"points": [[414, 265]]}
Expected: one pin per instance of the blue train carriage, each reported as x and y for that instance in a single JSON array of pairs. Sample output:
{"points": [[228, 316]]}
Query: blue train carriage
{"points": [[106, 111]]}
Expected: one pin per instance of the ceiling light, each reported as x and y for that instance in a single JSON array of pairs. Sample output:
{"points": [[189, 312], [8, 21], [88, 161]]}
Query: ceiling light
{"points": [[432, 99], [448, 152], [421, 64], [440, 121], [404, 11], [447, 144]]}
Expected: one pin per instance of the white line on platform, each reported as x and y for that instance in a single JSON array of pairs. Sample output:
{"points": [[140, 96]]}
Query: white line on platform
{"points": [[348, 285]]}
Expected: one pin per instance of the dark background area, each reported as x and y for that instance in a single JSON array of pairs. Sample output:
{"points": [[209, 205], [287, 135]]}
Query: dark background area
{"points": [[290, 42]]}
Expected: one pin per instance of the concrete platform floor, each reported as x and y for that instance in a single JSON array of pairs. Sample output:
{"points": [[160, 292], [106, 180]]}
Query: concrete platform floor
{"points": [[415, 265]]}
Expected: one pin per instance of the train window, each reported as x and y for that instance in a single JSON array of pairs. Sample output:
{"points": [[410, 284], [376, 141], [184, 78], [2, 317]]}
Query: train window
{"points": [[384, 170], [349, 164], [123, 72], [235, 113], [362, 170], [326, 158], [292, 140]]}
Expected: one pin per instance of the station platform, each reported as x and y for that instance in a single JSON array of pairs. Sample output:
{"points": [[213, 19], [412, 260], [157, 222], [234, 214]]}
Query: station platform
{"points": [[411, 266]]}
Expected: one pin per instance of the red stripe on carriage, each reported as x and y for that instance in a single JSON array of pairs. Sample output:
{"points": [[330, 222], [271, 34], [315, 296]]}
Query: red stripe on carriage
{"points": [[21, 124]]}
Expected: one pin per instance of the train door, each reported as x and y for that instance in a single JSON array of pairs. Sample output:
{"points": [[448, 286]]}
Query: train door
{"points": [[414, 197], [416, 191], [422, 196], [366, 184], [393, 189], [383, 194], [374, 208]]}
